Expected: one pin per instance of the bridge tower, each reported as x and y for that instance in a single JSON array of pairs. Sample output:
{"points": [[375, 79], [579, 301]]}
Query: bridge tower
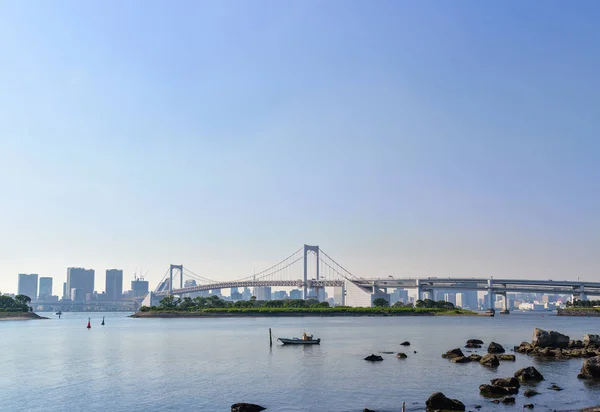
{"points": [[315, 249], [490, 291], [180, 269]]}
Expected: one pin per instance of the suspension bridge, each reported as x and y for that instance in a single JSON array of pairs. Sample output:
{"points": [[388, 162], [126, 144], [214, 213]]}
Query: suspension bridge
{"points": [[312, 270]]}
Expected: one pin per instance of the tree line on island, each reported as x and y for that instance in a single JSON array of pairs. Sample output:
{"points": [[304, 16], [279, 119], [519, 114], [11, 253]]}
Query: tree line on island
{"points": [[584, 304], [19, 303], [215, 303]]}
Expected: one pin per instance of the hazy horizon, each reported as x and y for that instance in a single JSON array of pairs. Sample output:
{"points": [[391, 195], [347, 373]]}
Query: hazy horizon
{"points": [[404, 138]]}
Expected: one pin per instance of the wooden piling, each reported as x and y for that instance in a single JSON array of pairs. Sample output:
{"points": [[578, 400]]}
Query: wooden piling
{"points": [[403, 406], [270, 338]]}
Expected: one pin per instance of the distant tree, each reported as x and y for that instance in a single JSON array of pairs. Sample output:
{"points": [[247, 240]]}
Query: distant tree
{"points": [[322, 305], [274, 304], [295, 303], [381, 303], [311, 302], [253, 298], [419, 304], [398, 304], [169, 302], [22, 302]]}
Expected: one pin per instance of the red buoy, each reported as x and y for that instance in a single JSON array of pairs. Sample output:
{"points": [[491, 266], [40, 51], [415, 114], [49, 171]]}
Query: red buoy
{"points": [[89, 326]]}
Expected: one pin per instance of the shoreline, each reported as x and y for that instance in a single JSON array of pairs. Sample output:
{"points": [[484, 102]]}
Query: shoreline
{"points": [[266, 314], [6, 316], [582, 312]]}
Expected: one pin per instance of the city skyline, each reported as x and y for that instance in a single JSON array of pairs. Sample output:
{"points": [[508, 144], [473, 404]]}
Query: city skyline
{"points": [[222, 137]]}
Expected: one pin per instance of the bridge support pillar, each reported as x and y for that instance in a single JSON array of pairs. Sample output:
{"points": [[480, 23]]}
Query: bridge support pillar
{"points": [[180, 268], [315, 249], [490, 291], [419, 290], [582, 295]]}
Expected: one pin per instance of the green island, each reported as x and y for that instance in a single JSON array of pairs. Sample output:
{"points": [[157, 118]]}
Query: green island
{"points": [[171, 307], [16, 308], [583, 308]]}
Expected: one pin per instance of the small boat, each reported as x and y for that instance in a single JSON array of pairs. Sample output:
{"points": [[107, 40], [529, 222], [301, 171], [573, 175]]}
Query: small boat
{"points": [[102, 321], [306, 339]]}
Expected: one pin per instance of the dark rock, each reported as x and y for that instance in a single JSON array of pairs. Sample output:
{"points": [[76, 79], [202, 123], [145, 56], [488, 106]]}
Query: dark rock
{"points": [[549, 339], [524, 347], [508, 399], [401, 355], [472, 345], [415, 351], [453, 353], [530, 392], [374, 358], [475, 357], [461, 359], [475, 342], [555, 388], [528, 406], [368, 410], [590, 368], [591, 340], [495, 348], [477, 406], [246, 407], [506, 382], [490, 360], [405, 343], [438, 401], [528, 374], [386, 353], [507, 357], [576, 344], [496, 391]]}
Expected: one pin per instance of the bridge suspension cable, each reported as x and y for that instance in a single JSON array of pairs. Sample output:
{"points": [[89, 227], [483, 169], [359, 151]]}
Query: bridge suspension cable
{"points": [[271, 270], [346, 276], [197, 277]]}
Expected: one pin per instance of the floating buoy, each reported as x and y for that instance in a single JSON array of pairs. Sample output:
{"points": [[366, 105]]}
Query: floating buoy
{"points": [[102, 321], [89, 326]]}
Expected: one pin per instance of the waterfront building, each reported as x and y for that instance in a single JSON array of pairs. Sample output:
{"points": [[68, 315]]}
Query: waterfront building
{"points": [[28, 285], [114, 284], [45, 288], [80, 278]]}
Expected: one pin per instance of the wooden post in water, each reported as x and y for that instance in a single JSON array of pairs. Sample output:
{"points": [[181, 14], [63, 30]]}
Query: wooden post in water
{"points": [[270, 338], [403, 406]]}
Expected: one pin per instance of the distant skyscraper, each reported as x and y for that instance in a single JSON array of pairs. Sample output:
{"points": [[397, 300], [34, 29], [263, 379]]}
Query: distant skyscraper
{"points": [[45, 288], [262, 293], [296, 294], [189, 283], [139, 287], [65, 294], [80, 278], [28, 285], [469, 299], [114, 284], [246, 294]]}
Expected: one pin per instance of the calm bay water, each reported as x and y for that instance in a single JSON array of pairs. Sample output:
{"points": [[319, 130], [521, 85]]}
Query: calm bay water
{"points": [[209, 364]]}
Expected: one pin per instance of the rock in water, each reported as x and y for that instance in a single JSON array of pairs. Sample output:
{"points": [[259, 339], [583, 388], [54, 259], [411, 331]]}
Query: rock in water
{"points": [[246, 407], [438, 401], [405, 343], [461, 359], [506, 382], [401, 355], [590, 368], [528, 406], [495, 348], [549, 339], [474, 342], [496, 391], [507, 357], [490, 360], [530, 392], [453, 353], [374, 358], [591, 340], [508, 399], [475, 357], [368, 410], [472, 346], [556, 388], [528, 374]]}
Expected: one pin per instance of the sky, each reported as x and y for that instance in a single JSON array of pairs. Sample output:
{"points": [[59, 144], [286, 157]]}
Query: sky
{"points": [[404, 138]]}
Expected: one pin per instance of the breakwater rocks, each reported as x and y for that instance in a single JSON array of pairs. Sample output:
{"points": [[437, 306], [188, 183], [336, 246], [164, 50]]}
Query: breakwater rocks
{"points": [[578, 312], [20, 316], [246, 407], [552, 344]]}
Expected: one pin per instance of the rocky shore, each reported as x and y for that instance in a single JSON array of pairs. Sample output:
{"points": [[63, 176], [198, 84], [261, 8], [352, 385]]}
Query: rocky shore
{"points": [[295, 313], [586, 313]]}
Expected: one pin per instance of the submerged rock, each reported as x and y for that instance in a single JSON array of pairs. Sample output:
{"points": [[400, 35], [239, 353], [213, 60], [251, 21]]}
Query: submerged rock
{"points": [[374, 358], [490, 360], [506, 382], [496, 391], [495, 348], [405, 343], [438, 401], [475, 357], [401, 355], [472, 346], [528, 406], [507, 357], [590, 368], [530, 392], [453, 353], [508, 399], [246, 407], [528, 374], [368, 410], [549, 339], [555, 388], [475, 342], [461, 359]]}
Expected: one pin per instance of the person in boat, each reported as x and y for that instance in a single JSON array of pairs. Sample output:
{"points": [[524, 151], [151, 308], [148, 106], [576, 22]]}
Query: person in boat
{"points": [[306, 336]]}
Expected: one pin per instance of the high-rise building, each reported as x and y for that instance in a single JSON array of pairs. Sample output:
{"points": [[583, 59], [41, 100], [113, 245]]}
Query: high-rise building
{"points": [[28, 285], [468, 299], [296, 294], [114, 284], [80, 278], [262, 293], [246, 294], [139, 287], [65, 294], [45, 288], [189, 283]]}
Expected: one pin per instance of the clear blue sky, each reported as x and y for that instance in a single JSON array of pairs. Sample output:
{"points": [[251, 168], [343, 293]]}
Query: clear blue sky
{"points": [[407, 137]]}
